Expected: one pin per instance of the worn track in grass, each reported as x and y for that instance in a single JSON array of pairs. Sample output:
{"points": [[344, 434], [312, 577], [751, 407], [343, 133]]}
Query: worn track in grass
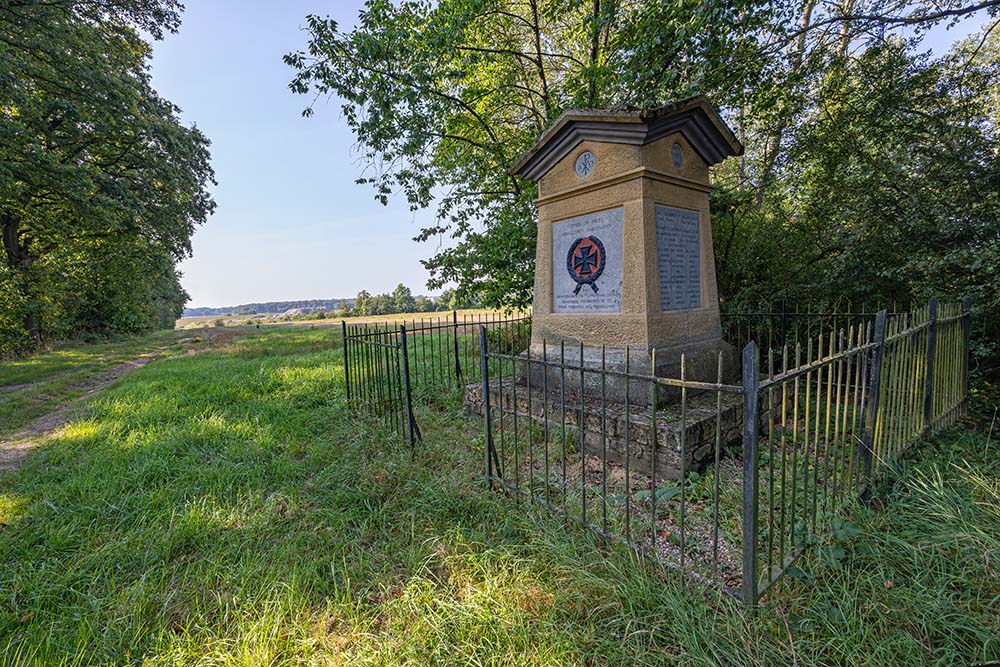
{"points": [[17, 446], [14, 450]]}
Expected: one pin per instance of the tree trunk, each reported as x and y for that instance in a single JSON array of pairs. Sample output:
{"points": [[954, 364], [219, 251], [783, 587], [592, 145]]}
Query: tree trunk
{"points": [[595, 50], [19, 261], [844, 42], [774, 146], [536, 28]]}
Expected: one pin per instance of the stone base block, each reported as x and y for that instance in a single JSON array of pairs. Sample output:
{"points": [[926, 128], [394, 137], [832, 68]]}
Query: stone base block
{"points": [[701, 364], [626, 433]]}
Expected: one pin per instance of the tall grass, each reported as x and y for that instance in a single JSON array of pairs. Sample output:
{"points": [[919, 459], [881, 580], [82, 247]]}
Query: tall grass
{"points": [[227, 508]]}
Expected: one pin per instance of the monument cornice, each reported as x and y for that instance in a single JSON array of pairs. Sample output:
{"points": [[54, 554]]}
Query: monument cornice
{"points": [[695, 118], [633, 174]]}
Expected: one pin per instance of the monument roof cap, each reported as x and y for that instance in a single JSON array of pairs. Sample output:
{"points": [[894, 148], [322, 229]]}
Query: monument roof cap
{"points": [[694, 117]]}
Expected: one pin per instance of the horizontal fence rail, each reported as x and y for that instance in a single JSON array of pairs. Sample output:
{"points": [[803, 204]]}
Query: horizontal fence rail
{"points": [[772, 326]]}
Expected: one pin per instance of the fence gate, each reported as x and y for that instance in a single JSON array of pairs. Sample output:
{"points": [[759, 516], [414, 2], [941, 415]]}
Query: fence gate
{"points": [[388, 367], [376, 374]]}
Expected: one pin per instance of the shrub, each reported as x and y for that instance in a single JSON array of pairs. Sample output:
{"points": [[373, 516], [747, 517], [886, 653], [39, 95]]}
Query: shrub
{"points": [[514, 337]]}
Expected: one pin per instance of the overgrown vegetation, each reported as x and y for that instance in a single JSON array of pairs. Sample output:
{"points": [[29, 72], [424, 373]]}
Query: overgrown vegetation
{"points": [[870, 172], [227, 506], [101, 185]]}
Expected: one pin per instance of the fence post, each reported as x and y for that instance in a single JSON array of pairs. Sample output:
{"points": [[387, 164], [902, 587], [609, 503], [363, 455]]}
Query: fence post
{"points": [[347, 364], [784, 323], [458, 364], [414, 430], [931, 346], [966, 352], [871, 410], [484, 369], [751, 397]]}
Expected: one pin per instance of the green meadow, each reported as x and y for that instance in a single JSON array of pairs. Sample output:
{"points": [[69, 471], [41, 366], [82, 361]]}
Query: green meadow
{"points": [[223, 505]]}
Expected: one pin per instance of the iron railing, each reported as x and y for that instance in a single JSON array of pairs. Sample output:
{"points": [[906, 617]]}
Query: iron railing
{"points": [[629, 470], [775, 325], [388, 366], [377, 376], [695, 486]]}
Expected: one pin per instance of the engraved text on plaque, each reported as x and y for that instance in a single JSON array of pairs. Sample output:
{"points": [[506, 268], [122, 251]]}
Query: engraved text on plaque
{"points": [[587, 263], [678, 249]]}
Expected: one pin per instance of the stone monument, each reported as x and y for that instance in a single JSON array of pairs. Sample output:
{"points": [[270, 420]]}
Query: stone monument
{"points": [[624, 258]]}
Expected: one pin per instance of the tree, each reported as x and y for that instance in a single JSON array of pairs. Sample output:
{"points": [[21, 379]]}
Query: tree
{"points": [[92, 160], [361, 302], [402, 299], [443, 97]]}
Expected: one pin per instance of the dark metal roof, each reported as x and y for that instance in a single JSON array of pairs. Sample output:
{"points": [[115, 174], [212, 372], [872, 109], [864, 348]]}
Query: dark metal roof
{"points": [[694, 117]]}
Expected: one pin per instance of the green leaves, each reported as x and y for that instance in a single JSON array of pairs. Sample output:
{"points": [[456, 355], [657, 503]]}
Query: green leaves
{"points": [[444, 96], [668, 492], [96, 170], [843, 530], [867, 175]]}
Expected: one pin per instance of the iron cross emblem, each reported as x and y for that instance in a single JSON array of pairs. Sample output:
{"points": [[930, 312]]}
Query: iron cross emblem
{"points": [[585, 262]]}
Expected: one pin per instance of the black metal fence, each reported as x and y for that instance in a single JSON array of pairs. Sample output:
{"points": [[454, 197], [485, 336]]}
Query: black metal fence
{"points": [[629, 470], [388, 366], [710, 495], [377, 376], [775, 325]]}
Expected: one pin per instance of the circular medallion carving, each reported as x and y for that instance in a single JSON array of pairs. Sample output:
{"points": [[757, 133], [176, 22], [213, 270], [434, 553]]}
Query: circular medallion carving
{"points": [[585, 164], [677, 155]]}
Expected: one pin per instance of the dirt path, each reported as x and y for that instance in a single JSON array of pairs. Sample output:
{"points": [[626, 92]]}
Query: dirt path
{"points": [[15, 387], [14, 450]]}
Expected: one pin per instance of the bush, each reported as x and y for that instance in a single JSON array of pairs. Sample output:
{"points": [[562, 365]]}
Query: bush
{"points": [[510, 338]]}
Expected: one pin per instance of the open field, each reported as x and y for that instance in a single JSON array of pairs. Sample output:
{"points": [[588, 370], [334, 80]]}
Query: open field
{"points": [[222, 505], [271, 319]]}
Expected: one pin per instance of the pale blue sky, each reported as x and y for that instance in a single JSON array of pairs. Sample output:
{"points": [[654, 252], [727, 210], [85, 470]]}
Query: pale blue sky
{"points": [[291, 223]]}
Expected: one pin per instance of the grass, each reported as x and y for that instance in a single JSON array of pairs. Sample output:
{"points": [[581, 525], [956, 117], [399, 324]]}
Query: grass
{"points": [[34, 386], [227, 508], [276, 319]]}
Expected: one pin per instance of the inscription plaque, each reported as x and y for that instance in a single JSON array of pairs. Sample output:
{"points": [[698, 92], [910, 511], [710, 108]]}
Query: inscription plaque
{"points": [[678, 250], [587, 263]]}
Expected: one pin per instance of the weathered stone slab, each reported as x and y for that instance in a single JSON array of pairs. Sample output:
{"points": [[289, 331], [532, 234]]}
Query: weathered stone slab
{"points": [[624, 430]]}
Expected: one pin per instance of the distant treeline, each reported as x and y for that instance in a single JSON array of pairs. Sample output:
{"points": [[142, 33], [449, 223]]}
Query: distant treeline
{"points": [[269, 307], [400, 300]]}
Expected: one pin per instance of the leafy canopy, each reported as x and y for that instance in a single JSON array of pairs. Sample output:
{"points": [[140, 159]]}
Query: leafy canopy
{"points": [[101, 186], [870, 170], [442, 97]]}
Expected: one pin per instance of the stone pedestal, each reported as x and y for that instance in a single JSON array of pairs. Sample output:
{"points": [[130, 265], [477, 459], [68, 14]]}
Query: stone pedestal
{"points": [[626, 433], [701, 364], [624, 257]]}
